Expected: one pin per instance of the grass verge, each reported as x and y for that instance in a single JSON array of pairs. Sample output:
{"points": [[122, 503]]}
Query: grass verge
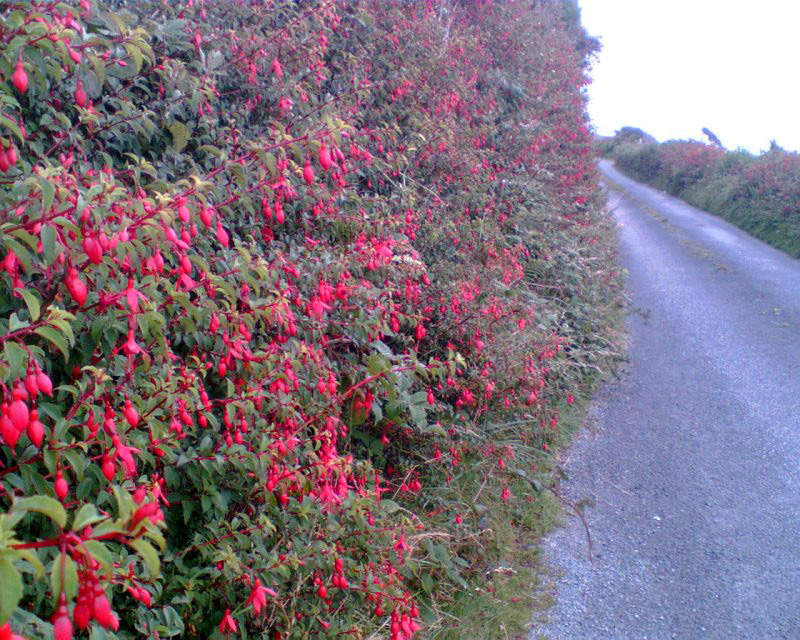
{"points": [[519, 586]]}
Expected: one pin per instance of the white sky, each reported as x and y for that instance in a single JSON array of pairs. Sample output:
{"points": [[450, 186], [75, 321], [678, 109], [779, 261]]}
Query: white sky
{"points": [[672, 67]]}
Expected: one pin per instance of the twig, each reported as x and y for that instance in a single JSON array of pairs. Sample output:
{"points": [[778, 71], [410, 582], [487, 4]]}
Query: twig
{"points": [[579, 512], [627, 493]]}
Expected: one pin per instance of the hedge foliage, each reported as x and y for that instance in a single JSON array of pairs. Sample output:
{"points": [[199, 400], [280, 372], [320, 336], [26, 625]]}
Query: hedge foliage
{"points": [[278, 279]]}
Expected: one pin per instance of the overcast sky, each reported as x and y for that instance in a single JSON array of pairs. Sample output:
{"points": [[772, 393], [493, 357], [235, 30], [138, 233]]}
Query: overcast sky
{"points": [[672, 67]]}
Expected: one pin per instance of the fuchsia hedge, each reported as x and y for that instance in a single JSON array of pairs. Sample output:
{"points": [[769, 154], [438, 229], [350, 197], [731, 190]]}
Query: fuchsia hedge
{"points": [[272, 274]]}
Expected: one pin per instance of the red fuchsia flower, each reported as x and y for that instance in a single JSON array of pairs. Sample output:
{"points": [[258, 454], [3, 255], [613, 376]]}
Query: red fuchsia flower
{"points": [[93, 249], [141, 594], [133, 296], [228, 624], [401, 546], [18, 411], [222, 235], [60, 486], [62, 625], [150, 511], [130, 346], [35, 429], [19, 78], [308, 173], [258, 597], [328, 496], [101, 609], [317, 308], [80, 95], [285, 105], [76, 287], [125, 454], [325, 157]]}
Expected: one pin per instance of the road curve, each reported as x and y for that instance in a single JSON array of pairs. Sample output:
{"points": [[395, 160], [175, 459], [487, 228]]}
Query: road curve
{"points": [[691, 457]]}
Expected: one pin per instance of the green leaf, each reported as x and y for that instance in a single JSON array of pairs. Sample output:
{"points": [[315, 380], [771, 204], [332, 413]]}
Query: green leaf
{"points": [[382, 348], [49, 244], [378, 364], [76, 460], [45, 505], [34, 306], [148, 554], [207, 148], [56, 338], [125, 504], [456, 577], [15, 324], [12, 126], [86, 516], [70, 574], [33, 559], [100, 552], [157, 538], [66, 224], [180, 135], [8, 521], [16, 357], [135, 53], [29, 625], [420, 398], [238, 171], [48, 193], [441, 554], [389, 506], [10, 589], [60, 319], [99, 69], [272, 165], [27, 238]]}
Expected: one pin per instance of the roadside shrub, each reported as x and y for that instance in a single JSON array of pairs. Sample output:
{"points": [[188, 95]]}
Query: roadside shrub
{"points": [[641, 161], [271, 272]]}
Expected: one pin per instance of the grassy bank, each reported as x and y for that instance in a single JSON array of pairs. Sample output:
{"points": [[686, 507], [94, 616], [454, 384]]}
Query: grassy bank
{"points": [[519, 584]]}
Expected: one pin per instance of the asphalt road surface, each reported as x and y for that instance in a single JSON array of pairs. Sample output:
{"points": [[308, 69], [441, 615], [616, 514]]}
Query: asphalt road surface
{"points": [[692, 456]]}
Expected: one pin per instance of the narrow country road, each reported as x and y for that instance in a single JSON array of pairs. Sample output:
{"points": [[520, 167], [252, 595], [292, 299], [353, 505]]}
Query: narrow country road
{"points": [[692, 457]]}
